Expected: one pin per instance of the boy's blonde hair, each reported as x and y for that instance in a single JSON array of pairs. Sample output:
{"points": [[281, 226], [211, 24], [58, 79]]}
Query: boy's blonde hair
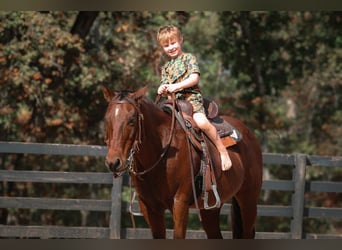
{"points": [[168, 33]]}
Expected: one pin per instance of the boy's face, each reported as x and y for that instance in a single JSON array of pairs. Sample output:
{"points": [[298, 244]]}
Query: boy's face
{"points": [[172, 47]]}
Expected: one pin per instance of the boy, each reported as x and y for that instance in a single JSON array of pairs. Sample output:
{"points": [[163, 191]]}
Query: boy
{"points": [[181, 75]]}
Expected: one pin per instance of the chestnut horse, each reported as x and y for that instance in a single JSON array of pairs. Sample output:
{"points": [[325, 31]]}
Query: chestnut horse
{"points": [[140, 139]]}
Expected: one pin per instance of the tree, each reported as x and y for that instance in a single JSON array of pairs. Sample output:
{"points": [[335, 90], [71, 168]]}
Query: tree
{"points": [[272, 53]]}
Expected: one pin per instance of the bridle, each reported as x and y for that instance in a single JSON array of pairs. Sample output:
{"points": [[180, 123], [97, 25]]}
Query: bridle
{"points": [[139, 136]]}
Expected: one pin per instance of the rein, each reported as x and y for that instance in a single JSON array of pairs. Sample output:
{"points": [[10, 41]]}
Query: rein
{"points": [[138, 141]]}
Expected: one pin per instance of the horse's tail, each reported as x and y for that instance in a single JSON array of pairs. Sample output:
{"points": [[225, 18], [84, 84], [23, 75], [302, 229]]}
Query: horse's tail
{"points": [[237, 226]]}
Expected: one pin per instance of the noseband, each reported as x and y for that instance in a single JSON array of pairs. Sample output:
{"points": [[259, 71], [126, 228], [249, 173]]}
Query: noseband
{"points": [[138, 138]]}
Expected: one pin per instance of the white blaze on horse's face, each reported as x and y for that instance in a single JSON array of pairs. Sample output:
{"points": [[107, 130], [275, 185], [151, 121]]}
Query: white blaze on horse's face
{"points": [[116, 112]]}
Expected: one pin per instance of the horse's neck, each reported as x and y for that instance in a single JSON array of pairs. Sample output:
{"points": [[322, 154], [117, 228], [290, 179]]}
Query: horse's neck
{"points": [[155, 123], [154, 118]]}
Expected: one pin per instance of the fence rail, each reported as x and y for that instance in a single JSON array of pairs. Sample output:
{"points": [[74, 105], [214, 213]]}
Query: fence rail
{"points": [[296, 211]]}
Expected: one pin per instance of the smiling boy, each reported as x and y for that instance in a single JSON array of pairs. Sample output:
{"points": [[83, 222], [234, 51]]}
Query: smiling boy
{"points": [[180, 75]]}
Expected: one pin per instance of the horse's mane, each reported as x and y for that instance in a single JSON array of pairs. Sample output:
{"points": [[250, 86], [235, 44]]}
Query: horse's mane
{"points": [[123, 94]]}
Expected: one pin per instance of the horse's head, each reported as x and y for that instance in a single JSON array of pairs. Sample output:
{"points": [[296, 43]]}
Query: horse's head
{"points": [[123, 127]]}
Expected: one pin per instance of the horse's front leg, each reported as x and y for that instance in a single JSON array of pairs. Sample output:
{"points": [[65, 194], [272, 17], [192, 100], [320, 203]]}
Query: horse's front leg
{"points": [[155, 219], [180, 218]]}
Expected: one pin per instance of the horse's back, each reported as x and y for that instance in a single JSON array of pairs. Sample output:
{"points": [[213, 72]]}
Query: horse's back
{"points": [[248, 138]]}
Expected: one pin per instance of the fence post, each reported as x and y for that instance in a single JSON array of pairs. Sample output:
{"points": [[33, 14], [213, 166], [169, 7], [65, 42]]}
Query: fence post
{"points": [[115, 215], [298, 196]]}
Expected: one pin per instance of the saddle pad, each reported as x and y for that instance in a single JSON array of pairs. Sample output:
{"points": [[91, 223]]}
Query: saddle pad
{"points": [[224, 129], [228, 141]]}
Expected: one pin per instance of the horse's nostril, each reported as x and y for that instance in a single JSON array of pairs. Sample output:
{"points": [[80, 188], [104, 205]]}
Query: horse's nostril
{"points": [[112, 166]]}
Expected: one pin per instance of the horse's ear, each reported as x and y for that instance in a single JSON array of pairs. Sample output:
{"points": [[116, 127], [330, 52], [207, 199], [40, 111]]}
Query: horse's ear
{"points": [[107, 93], [139, 93]]}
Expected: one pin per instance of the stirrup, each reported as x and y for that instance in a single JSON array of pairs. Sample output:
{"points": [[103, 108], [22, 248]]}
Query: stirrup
{"points": [[131, 206], [217, 197]]}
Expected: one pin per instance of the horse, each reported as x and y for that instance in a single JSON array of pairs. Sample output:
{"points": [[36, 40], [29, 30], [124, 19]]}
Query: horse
{"points": [[145, 140]]}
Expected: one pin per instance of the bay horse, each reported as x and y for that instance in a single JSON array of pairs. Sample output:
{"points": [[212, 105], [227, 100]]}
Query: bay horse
{"points": [[141, 140]]}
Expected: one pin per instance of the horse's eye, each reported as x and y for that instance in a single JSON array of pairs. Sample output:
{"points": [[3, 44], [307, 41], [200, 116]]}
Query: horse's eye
{"points": [[132, 121]]}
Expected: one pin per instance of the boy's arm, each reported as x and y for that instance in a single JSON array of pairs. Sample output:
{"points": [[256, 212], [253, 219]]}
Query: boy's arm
{"points": [[191, 81]]}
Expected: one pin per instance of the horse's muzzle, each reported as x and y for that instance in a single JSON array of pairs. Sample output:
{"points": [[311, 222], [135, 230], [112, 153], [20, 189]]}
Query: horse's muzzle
{"points": [[113, 165]]}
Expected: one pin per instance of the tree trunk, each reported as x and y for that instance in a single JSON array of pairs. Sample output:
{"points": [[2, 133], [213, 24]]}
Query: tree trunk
{"points": [[256, 75], [83, 23]]}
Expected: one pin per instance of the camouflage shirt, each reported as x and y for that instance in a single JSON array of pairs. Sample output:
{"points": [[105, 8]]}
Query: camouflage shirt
{"points": [[179, 69]]}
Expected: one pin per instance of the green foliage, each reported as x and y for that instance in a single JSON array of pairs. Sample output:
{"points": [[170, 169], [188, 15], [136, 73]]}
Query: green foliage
{"points": [[282, 58]]}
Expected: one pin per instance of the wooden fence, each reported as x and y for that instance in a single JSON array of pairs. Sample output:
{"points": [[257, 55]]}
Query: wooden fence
{"points": [[296, 211]]}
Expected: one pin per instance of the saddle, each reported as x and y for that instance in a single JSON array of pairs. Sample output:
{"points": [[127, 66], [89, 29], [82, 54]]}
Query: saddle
{"points": [[229, 134], [206, 178]]}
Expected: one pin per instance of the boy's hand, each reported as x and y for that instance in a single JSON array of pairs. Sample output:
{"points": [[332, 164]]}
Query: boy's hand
{"points": [[173, 88], [162, 90]]}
